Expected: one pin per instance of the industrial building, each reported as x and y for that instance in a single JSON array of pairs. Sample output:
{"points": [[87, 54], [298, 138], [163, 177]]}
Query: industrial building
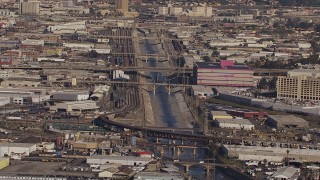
{"points": [[17, 148], [281, 121], [23, 96], [290, 173], [202, 91], [71, 27], [220, 115], [71, 95], [225, 73], [81, 146], [75, 106], [29, 8], [275, 154], [301, 84], [243, 124], [123, 160], [122, 6], [99, 92], [157, 176], [4, 162], [119, 74]]}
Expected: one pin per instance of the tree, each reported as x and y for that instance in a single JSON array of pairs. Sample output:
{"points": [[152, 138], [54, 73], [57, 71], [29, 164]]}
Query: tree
{"points": [[93, 54], [206, 58], [263, 83], [317, 28], [273, 83], [215, 53]]}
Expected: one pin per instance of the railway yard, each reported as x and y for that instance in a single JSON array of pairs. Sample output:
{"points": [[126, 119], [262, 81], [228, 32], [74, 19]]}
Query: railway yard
{"points": [[116, 98]]}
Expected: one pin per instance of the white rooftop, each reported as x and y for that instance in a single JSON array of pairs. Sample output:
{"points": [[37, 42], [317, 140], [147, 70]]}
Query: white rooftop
{"points": [[275, 150], [234, 121], [286, 173]]}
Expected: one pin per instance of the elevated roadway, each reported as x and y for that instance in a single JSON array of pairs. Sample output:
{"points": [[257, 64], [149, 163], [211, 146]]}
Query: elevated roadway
{"points": [[135, 68], [101, 68], [105, 122]]}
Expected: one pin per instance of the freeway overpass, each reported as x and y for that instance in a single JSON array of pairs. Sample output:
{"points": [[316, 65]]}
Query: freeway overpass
{"points": [[259, 71]]}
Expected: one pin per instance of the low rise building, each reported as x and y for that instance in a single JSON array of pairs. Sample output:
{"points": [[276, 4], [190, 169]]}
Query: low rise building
{"points": [[123, 160], [17, 148], [289, 173], [81, 146], [4, 162], [71, 95], [225, 73], [220, 115], [275, 154], [281, 121], [75, 106], [157, 176], [202, 91], [243, 124]]}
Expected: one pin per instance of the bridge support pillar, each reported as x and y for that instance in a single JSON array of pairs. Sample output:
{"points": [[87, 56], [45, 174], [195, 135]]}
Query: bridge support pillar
{"points": [[169, 90], [178, 152], [161, 151], [154, 88], [187, 168], [173, 151], [208, 169], [157, 140], [194, 152]]}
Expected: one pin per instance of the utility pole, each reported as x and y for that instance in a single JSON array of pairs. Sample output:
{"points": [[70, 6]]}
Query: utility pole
{"points": [[205, 122]]}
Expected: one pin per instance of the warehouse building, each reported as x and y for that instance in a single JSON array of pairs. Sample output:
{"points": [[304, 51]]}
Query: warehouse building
{"points": [[81, 146], [290, 173], [220, 115], [158, 176], [4, 162], [225, 73], [71, 95], [123, 160], [17, 148], [241, 124], [75, 106], [281, 121], [275, 154], [202, 91]]}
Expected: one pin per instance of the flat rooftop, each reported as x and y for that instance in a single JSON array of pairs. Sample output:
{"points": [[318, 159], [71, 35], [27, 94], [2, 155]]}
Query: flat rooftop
{"points": [[24, 145], [234, 121], [219, 113], [128, 158], [227, 64], [202, 88], [287, 119], [275, 150]]}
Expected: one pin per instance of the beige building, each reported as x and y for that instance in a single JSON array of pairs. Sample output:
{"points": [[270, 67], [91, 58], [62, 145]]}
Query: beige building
{"points": [[122, 6], [29, 7], [301, 84]]}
